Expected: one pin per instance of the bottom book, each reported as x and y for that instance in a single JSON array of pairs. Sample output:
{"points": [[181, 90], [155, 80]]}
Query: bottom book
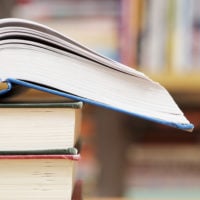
{"points": [[31, 177]]}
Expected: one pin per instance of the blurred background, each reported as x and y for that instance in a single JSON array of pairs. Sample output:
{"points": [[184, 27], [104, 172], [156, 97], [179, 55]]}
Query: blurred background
{"points": [[123, 156]]}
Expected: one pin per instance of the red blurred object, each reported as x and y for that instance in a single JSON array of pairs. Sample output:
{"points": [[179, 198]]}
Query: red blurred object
{"points": [[77, 193]]}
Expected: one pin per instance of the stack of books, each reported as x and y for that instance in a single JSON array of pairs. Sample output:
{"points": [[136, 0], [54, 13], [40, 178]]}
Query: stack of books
{"points": [[39, 146], [39, 136]]}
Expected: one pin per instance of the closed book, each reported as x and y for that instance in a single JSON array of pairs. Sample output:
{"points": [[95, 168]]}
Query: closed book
{"points": [[37, 176], [39, 126]]}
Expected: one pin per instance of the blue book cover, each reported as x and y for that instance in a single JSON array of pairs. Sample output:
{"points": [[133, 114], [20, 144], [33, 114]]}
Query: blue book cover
{"points": [[187, 127]]}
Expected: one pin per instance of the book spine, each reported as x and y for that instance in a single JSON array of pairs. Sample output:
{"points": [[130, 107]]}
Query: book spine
{"points": [[68, 151], [182, 36], [129, 31], [154, 41]]}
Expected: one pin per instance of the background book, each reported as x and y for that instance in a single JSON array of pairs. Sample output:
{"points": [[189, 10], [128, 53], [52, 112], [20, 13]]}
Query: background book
{"points": [[182, 35], [129, 30], [186, 37], [153, 42]]}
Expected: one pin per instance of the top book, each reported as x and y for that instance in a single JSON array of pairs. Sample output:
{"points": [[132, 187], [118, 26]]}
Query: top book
{"points": [[36, 56]]}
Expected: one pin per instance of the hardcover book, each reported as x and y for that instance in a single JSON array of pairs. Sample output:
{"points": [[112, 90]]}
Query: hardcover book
{"points": [[37, 177], [39, 126], [39, 57]]}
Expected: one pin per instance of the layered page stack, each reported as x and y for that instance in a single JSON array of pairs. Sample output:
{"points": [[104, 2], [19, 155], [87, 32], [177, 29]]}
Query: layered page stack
{"points": [[36, 56], [38, 148]]}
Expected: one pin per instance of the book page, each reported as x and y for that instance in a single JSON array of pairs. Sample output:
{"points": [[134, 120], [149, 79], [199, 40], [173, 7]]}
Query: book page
{"points": [[35, 30]]}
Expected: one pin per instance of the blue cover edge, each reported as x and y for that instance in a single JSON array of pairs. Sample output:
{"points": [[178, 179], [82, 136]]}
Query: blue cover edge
{"points": [[186, 127], [4, 91]]}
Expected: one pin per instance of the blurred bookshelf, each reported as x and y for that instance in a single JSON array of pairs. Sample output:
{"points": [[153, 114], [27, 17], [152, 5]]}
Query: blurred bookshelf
{"points": [[154, 36], [162, 39], [92, 23]]}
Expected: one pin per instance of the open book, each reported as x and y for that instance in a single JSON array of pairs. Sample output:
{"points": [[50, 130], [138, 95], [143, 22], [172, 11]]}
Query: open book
{"points": [[36, 56]]}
